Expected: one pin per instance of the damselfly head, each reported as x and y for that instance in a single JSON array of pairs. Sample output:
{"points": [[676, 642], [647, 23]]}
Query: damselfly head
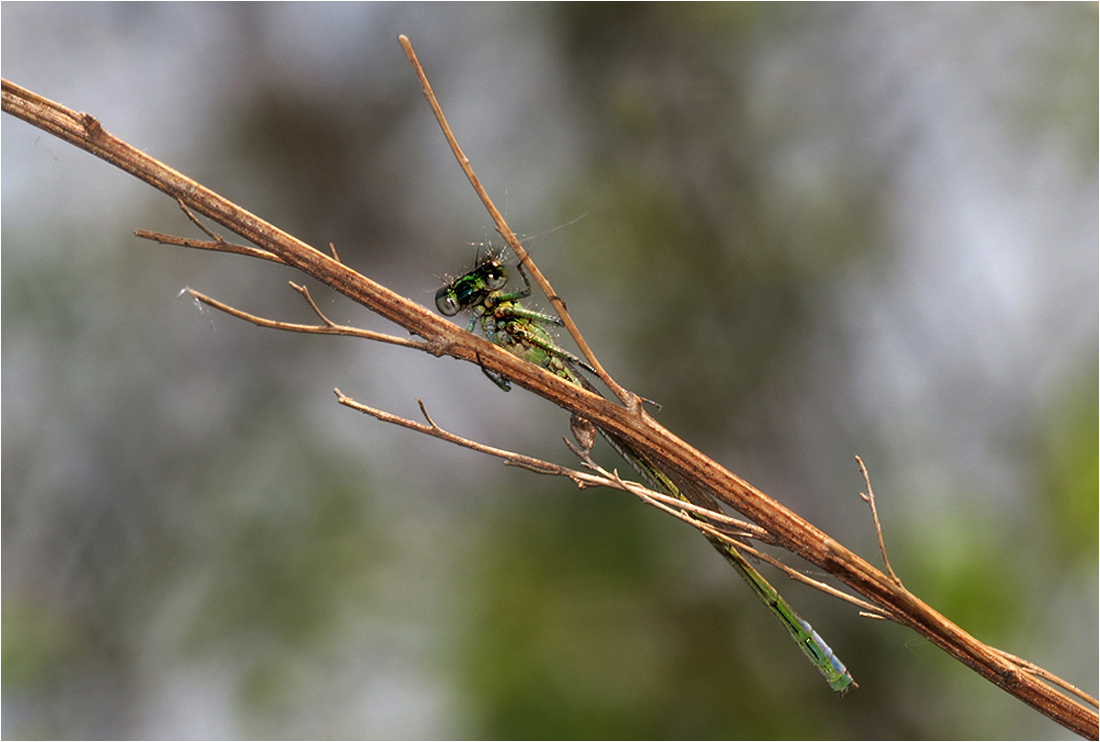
{"points": [[472, 287]]}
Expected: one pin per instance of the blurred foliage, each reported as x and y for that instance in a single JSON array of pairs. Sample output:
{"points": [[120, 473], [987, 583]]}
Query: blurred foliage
{"points": [[583, 631], [1072, 473]]}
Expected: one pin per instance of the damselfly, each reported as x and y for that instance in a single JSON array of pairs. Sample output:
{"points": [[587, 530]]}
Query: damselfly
{"points": [[505, 322]]}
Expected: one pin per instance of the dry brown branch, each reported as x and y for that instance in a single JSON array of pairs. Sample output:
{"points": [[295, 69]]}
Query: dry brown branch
{"points": [[643, 433], [705, 520], [1040, 672], [216, 245], [869, 498], [708, 522], [628, 398], [329, 328]]}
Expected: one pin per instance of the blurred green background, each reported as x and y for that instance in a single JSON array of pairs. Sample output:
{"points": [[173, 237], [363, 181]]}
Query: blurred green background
{"points": [[812, 231]]}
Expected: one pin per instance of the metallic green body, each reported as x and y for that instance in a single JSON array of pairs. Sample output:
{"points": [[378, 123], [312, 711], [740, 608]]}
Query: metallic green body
{"points": [[521, 331]]}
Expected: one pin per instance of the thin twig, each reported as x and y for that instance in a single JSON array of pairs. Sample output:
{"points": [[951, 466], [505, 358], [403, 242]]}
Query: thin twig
{"points": [[219, 245], [436, 431], [869, 498], [866, 609], [313, 305], [329, 328], [195, 220], [702, 519], [690, 513], [1040, 672], [628, 398]]}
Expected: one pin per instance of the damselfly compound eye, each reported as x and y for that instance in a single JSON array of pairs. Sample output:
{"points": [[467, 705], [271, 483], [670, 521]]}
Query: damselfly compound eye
{"points": [[446, 302]]}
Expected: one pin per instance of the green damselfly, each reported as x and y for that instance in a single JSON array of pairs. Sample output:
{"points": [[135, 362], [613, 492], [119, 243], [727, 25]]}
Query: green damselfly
{"points": [[505, 322]]}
